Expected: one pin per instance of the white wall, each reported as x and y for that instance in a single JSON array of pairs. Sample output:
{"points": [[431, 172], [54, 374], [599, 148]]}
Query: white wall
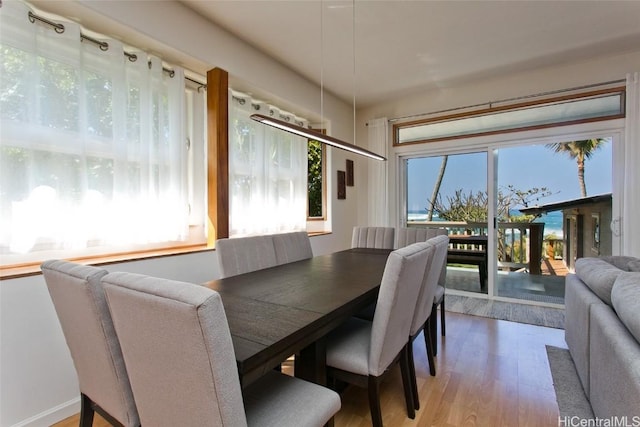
{"points": [[38, 385]]}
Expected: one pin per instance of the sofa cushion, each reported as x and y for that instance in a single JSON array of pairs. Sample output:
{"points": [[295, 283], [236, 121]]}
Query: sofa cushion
{"points": [[598, 275], [621, 261], [625, 296], [634, 265]]}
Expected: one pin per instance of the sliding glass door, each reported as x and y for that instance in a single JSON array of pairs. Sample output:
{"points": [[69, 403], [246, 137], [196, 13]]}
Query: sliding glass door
{"points": [[551, 200], [450, 191], [548, 203]]}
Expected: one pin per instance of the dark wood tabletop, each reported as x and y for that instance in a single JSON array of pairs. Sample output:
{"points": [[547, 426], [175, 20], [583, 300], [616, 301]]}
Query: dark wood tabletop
{"points": [[288, 309]]}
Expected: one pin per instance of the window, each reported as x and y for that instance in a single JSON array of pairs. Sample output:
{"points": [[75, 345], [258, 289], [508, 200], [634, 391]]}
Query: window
{"points": [[603, 104], [92, 145], [267, 171], [315, 180]]}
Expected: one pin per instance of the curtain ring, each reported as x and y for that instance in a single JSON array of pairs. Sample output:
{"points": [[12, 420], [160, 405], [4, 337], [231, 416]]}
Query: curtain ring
{"points": [[59, 28]]}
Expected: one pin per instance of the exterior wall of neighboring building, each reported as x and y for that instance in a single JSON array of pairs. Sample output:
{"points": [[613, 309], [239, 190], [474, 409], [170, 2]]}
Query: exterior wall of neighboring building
{"points": [[589, 234]]}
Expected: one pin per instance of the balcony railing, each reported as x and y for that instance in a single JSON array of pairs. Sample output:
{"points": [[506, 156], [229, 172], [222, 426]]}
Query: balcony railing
{"points": [[520, 244]]}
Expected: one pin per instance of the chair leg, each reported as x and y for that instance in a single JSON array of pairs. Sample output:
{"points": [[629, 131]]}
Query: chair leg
{"points": [[413, 376], [406, 382], [374, 401], [442, 327], [86, 411], [432, 330], [428, 341], [482, 269]]}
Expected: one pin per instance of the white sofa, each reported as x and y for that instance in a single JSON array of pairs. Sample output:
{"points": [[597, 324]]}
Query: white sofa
{"points": [[602, 331]]}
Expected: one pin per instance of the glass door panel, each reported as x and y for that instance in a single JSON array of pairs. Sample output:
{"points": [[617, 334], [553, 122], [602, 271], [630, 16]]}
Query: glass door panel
{"points": [[547, 194], [450, 191]]}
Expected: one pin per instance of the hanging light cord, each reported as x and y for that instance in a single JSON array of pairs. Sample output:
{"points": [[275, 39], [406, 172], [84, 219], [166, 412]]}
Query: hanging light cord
{"points": [[353, 48], [322, 65]]}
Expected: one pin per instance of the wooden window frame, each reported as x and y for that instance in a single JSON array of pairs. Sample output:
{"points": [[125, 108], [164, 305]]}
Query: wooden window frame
{"points": [[506, 108]]}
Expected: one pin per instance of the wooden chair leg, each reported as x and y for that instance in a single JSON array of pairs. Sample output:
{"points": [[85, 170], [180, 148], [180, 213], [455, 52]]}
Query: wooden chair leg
{"points": [[406, 382], [442, 326], [374, 401], [412, 375], [428, 341], [86, 411], [432, 330], [482, 268]]}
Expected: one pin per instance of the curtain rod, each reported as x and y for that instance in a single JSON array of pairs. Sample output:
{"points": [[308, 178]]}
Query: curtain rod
{"points": [[104, 46], [518, 98]]}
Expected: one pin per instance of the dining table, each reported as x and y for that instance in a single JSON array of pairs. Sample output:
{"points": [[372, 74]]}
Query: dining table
{"points": [[289, 309]]}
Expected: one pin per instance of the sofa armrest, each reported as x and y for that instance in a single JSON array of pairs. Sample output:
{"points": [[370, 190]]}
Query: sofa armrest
{"points": [[578, 301], [615, 367]]}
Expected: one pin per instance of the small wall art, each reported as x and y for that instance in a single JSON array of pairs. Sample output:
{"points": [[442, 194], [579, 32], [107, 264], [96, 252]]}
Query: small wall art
{"points": [[342, 187]]}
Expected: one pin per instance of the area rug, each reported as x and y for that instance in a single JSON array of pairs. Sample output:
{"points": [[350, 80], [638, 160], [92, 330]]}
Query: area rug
{"points": [[514, 312], [570, 396]]}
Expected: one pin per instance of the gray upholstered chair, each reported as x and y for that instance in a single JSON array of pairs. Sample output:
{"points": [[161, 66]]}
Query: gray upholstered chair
{"points": [[245, 254], [373, 237], [81, 307], [425, 312], [407, 236], [361, 352], [291, 247], [177, 346]]}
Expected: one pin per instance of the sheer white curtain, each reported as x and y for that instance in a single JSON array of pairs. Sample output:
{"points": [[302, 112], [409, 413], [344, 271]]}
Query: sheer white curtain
{"points": [[378, 209], [631, 201], [267, 171], [92, 143]]}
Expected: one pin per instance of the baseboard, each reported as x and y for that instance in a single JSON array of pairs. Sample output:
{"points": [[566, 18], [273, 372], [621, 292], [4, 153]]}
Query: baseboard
{"points": [[53, 415]]}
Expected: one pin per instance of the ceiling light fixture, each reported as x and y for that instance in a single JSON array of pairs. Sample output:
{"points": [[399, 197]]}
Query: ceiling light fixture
{"points": [[312, 134], [317, 136]]}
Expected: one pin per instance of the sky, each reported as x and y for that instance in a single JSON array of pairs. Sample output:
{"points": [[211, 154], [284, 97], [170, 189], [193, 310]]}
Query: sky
{"points": [[524, 167]]}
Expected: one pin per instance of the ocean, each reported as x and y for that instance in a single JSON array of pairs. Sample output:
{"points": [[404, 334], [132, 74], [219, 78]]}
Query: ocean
{"points": [[552, 221]]}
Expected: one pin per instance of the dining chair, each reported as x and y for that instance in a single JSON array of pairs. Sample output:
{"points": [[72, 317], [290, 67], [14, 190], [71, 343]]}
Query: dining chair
{"points": [[361, 352], [80, 304], [373, 237], [406, 236], [245, 254], [178, 349], [291, 247], [425, 313]]}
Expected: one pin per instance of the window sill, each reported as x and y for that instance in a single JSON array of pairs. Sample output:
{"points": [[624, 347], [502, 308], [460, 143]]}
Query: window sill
{"points": [[32, 269]]}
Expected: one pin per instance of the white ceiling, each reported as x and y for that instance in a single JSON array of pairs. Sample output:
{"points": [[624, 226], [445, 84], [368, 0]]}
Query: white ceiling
{"points": [[403, 46]]}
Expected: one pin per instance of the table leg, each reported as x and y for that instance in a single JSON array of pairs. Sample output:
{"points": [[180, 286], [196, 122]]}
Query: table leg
{"points": [[311, 362]]}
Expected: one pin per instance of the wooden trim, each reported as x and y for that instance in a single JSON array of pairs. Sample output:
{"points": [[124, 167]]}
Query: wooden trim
{"points": [[218, 155], [493, 110], [33, 268]]}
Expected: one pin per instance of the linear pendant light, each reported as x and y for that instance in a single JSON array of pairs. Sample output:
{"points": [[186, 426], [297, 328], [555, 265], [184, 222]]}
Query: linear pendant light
{"points": [[317, 136], [311, 134]]}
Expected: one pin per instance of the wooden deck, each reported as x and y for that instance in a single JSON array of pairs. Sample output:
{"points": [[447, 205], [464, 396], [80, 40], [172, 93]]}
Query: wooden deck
{"points": [[553, 267]]}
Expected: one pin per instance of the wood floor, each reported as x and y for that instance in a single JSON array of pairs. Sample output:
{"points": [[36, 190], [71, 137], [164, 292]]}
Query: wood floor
{"points": [[489, 373]]}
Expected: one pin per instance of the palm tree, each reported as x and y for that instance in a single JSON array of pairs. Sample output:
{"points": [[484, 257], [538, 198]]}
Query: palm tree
{"points": [[581, 151], [436, 188]]}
